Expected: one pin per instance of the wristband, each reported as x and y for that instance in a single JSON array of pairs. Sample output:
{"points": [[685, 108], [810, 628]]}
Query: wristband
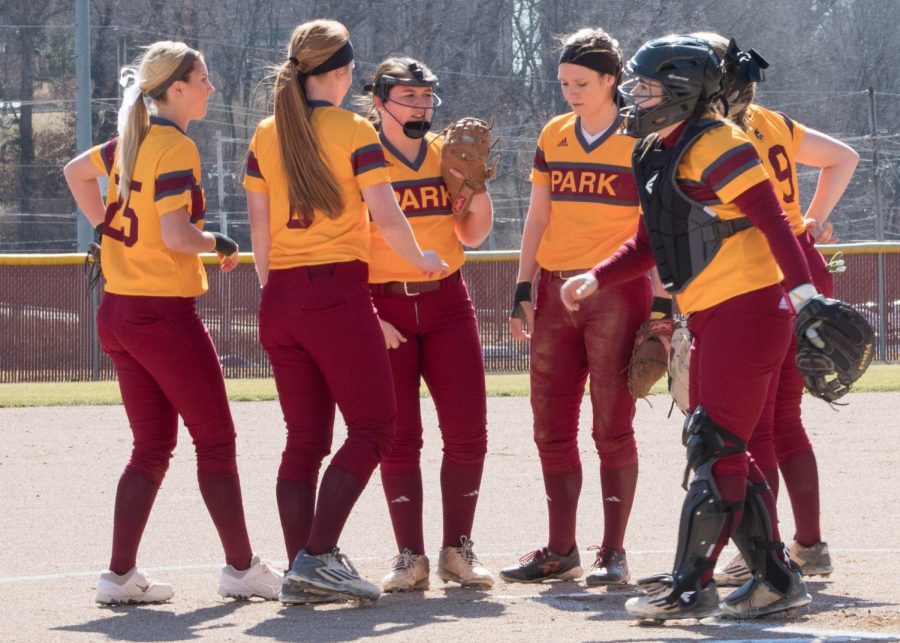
{"points": [[801, 295], [661, 308], [523, 293]]}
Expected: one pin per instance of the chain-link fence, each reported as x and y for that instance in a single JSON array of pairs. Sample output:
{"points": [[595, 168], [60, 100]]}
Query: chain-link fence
{"points": [[47, 315]]}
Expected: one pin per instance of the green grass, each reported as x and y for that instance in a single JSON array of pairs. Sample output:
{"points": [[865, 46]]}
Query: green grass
{"points": [[879, 378]]}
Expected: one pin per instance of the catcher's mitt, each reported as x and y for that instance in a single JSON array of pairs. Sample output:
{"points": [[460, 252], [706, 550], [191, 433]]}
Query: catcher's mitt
{"points": [[467, 146], [650, 356], [92, 259], [679, 368], [835, 346]]}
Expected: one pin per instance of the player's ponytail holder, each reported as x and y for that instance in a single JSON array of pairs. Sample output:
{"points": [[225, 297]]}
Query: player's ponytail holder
{"points": [[131, 94]]}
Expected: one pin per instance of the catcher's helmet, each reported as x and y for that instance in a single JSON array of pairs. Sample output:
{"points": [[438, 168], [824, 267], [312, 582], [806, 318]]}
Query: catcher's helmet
{"points": [[418, 78], [686, 68]]}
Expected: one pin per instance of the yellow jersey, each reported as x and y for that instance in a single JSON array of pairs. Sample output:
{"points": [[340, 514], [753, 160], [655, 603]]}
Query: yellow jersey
{"points": [[715, 170], [776, 138], [166, 178], [593, 198], [423, 197], [351, 149]]}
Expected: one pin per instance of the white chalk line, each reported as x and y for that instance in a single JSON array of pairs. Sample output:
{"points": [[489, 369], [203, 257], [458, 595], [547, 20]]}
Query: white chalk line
{"points": [[36, 578]]}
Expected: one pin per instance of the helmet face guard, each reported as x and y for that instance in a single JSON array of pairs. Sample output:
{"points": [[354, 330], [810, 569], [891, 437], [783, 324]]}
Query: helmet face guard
{"points": [[683, 70], [638, 120], [382, 88]]}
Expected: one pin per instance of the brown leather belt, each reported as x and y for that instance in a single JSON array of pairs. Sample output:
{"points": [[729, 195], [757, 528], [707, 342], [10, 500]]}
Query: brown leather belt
{"points": [[413, 288], [566, 274]]}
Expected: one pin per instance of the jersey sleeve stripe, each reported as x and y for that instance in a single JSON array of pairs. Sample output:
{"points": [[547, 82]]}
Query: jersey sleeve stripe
{"points": [[367, 158], [540, 162], [788, 122], [729, 166], [172, 183], [108, 153], [253, 166], [699, 192]]}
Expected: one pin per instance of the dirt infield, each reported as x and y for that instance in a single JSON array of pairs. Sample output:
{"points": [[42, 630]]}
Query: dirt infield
{"points": [[59, 467]]}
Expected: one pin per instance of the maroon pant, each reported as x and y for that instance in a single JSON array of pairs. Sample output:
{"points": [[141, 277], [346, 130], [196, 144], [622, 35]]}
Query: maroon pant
{"points": [[167, 366], [738, 347], [319, 329], [780, 434], [565, 348], [442, 346]]}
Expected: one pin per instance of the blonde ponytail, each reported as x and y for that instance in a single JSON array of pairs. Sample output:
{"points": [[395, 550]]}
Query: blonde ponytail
{"points": [[162, 63], [136, 127], [311, 183]]}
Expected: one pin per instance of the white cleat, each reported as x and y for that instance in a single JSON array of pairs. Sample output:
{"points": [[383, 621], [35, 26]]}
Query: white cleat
{"points": [[260, 580], [132, 587]]}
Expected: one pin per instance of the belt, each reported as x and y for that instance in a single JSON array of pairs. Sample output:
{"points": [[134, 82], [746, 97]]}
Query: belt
{"points": [[565, 274], [413, 288]]}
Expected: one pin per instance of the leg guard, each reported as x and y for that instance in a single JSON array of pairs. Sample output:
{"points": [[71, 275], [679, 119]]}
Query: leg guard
{"points": [[704, 513], [753, 538]]}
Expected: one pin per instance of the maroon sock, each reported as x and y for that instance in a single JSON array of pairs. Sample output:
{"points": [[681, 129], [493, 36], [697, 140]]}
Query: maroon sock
{"points": [[222, 495], [134, 500], [459, 491], [733, 489], [771, 476], [617, 487], [296, 507], [338, 493], [403, 492], [563, 490], [801, 479]]}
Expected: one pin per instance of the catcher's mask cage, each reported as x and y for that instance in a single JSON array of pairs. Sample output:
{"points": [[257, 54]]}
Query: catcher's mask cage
{"points": [[684, 69], [382, 86]]}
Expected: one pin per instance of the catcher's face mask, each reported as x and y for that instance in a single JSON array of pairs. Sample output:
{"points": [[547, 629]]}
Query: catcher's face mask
{"points": [[382, 89], [644, 101]]}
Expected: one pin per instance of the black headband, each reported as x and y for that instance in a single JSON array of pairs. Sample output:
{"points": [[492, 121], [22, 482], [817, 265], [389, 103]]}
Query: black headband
{"points": [[184, 67], [592, 59], [343, 56]]}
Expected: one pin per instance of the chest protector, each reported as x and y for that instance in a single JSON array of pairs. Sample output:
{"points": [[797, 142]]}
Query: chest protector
{"points": [[684, 234]]}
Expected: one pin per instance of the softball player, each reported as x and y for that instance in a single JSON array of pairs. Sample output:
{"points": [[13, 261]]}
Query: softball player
{"points": [[309, 168], [165, 361], [725, 273], [779, 440], [584, 205], [432, 333]]}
